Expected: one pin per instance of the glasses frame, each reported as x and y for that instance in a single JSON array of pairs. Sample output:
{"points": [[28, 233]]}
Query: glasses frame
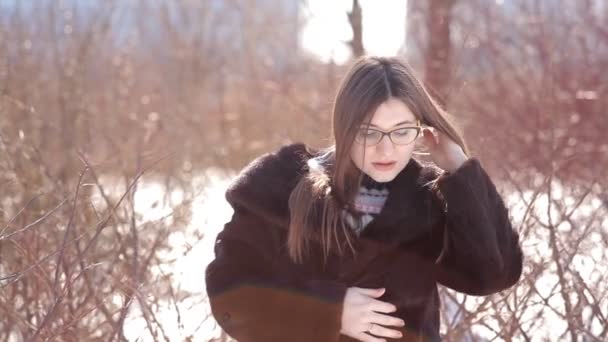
{"points": [[418, 128]]}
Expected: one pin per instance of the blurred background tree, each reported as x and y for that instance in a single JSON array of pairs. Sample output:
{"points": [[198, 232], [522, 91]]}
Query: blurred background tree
{"points": [[101, 101]]}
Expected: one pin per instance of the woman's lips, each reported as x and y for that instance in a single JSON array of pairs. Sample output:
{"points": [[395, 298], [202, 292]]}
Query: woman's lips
{"points": [[384, 166]]}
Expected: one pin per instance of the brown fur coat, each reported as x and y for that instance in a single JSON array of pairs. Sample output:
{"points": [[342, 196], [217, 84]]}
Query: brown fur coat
{"points": [[258, 295]]}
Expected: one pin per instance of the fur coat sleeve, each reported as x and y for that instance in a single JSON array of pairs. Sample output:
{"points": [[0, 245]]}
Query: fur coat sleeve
{"points": [[481, 250]]}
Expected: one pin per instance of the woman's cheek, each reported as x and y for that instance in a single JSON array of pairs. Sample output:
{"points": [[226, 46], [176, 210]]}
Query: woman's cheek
{"points": [[361, 157]]}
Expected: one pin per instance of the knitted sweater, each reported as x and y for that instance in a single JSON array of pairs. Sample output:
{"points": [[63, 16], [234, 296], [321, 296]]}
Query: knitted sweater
{"points": [[368, 203]]}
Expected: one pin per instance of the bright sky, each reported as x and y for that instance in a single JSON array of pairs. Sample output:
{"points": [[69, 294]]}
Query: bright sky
{"points": [[328, 29]]}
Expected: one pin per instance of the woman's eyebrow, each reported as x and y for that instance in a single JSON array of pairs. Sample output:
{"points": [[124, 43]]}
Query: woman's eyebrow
{"points": [[395, 125]]}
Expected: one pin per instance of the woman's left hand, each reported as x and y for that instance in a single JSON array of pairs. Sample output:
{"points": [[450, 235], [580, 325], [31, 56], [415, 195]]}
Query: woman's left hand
{"points": [[445, 153]]}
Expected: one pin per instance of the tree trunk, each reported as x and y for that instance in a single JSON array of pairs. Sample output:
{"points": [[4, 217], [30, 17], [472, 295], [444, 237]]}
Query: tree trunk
{"points": [[438, 48], [356, 23]]}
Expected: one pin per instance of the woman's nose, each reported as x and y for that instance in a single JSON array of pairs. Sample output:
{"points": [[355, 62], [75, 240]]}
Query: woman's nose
{"points": [[385, 146]]}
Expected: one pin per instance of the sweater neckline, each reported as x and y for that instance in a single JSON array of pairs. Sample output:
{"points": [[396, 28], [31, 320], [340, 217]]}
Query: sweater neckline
{"points": [[371, 183]]}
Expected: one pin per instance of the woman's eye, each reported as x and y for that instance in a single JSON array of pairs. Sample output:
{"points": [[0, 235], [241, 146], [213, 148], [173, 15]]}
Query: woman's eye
{"points": [[403, 132], [366, 133]]}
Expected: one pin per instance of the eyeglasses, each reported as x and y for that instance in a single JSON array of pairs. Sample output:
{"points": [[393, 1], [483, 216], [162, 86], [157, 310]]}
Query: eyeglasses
{"points": [[400, 136]]}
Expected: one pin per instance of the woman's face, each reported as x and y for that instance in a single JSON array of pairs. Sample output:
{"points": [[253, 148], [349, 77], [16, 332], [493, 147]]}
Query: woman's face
{"points": [[390, 115]]}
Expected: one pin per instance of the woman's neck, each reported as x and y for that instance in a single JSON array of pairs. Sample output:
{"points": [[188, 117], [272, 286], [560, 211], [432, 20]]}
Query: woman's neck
{"points": [[371, 183]]}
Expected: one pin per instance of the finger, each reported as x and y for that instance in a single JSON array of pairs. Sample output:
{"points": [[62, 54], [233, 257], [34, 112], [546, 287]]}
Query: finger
{"points": [[368, 338], [431, 137], [379, 318], [372, 292], [385, 332], [380, 306], [427, 141], [436, 135]]}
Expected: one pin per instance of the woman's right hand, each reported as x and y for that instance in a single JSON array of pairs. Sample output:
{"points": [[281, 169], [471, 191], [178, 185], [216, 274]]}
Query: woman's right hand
{"points": [[362, 315]]}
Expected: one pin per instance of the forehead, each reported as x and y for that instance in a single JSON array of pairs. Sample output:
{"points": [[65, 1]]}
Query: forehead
{"points": [[392, 112]]}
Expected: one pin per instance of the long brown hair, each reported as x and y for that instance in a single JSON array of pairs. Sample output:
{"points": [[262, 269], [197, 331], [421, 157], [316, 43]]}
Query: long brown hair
{"points": [[330, 186]]}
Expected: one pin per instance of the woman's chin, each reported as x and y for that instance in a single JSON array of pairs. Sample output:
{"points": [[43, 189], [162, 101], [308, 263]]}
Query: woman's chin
{"points": [[382, 177]]}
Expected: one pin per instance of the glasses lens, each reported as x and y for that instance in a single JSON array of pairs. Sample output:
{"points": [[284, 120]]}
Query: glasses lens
{"points": [[404, 136], [368, 136]]}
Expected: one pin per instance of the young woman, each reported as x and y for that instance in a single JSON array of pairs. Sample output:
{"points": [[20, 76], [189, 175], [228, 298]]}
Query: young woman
{"points": [[348, 243]]}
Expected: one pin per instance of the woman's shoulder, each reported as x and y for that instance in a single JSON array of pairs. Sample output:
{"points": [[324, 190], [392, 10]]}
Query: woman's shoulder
{"points": [[273, 168], [288, 157], [263, 186]]}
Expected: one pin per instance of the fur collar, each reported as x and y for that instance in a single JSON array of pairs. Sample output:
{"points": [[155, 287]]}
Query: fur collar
{"points": [[264, 186]]}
